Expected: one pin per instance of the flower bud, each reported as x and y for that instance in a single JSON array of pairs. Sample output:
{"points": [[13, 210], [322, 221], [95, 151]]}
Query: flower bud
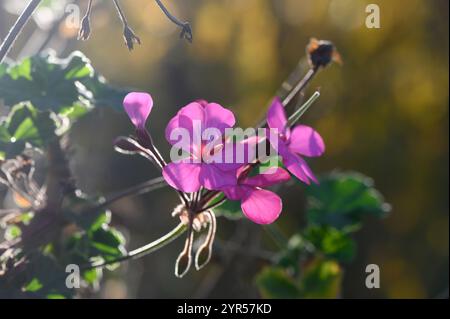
{"points": [[127, 145], [130, 38], [321, 53], [85, 30]]}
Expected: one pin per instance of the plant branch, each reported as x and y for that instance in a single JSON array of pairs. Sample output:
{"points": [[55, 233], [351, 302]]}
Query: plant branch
{"points": [[17, 28]]}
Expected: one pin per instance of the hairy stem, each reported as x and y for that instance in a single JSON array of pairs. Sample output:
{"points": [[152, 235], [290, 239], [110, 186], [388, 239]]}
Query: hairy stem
{"points": [[17, 28]]}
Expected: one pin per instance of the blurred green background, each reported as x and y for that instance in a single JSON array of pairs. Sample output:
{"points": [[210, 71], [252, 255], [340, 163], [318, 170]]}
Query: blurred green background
{"points": [[384, 112]]}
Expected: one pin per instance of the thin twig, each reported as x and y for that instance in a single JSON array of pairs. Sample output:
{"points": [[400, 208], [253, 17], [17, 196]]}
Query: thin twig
{"points": [[17, 28]]}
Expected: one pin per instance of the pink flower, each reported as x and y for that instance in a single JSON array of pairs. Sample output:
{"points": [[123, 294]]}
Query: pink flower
{"points": [[138, 106], [259, 205], [301, 140], [199, 168]]}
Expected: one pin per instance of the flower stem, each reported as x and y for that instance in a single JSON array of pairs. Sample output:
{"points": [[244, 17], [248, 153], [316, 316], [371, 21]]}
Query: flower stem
{"points": [[186, 31], [17, 28], [302, 109], [120, 12], [144, 250], [214, 205], [300, 86]]}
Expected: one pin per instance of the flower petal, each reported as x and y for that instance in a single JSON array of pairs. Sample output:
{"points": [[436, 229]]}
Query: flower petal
{"points": [[298, 167], [213, 178], [138, 106], [234, 155], [271, 177], [193, 113], [261, 206], [306, 141], [218, 117], [276, 117], [183, 176], [307, 170], [235, 192]]}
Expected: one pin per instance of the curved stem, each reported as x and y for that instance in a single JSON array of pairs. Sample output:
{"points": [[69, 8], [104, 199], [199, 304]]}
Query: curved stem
{"points": [[170, 16], [17, 28], [144, 250], [185, 27]]}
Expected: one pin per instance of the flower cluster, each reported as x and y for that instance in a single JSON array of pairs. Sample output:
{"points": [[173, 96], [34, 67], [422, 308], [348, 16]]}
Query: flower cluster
{"points": [[206, 165]]}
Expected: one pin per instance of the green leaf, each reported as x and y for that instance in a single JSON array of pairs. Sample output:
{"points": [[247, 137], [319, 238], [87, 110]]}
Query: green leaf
{"points": [[54, 84], [47, 82], [92, 276], [55, 296], [342, 200], [12, 232], [33, 285], [274, 282], [332, 242], [101, 94], [289, 258], [48, 278], [81, 210], [104, 218], [23, 125], [107, 243], [321, 279]]}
